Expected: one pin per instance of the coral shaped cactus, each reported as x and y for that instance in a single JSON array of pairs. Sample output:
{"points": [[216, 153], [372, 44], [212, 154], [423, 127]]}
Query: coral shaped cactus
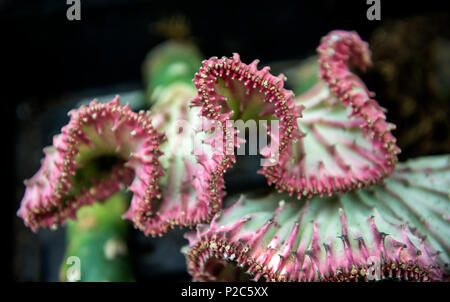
{"points": [[229, 90], [343, 140], [192, 185], [389, 231], [104, 148], [347, 211]]}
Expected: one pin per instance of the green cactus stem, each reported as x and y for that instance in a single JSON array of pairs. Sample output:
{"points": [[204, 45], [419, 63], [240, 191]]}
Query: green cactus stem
{"points": [[99, 239]]}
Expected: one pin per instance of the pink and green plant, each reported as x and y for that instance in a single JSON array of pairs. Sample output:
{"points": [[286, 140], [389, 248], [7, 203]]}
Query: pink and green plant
{"points": [[377, 221]]}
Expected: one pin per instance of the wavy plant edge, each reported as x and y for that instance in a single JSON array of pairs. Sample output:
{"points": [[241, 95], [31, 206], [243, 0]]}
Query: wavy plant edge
{"points": [[337, 86], [54, 194], [229, 90]]}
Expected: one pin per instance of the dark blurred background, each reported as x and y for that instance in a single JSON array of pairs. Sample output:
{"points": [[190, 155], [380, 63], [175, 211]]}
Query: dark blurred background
{"points": [[51, 64]]}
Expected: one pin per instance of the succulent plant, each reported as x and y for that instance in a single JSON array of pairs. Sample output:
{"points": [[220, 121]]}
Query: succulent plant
{"points": [[172, 184], [104, 148], [395, 230], [343, 141]]}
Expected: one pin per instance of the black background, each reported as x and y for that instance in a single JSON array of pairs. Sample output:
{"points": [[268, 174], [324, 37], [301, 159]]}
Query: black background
{"points": [[51, 55]]}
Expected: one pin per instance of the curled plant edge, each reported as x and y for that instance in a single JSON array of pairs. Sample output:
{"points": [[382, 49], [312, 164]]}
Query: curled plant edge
{"points": [[251, 94], [96, 130], [308, 174], [397, 230]]}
